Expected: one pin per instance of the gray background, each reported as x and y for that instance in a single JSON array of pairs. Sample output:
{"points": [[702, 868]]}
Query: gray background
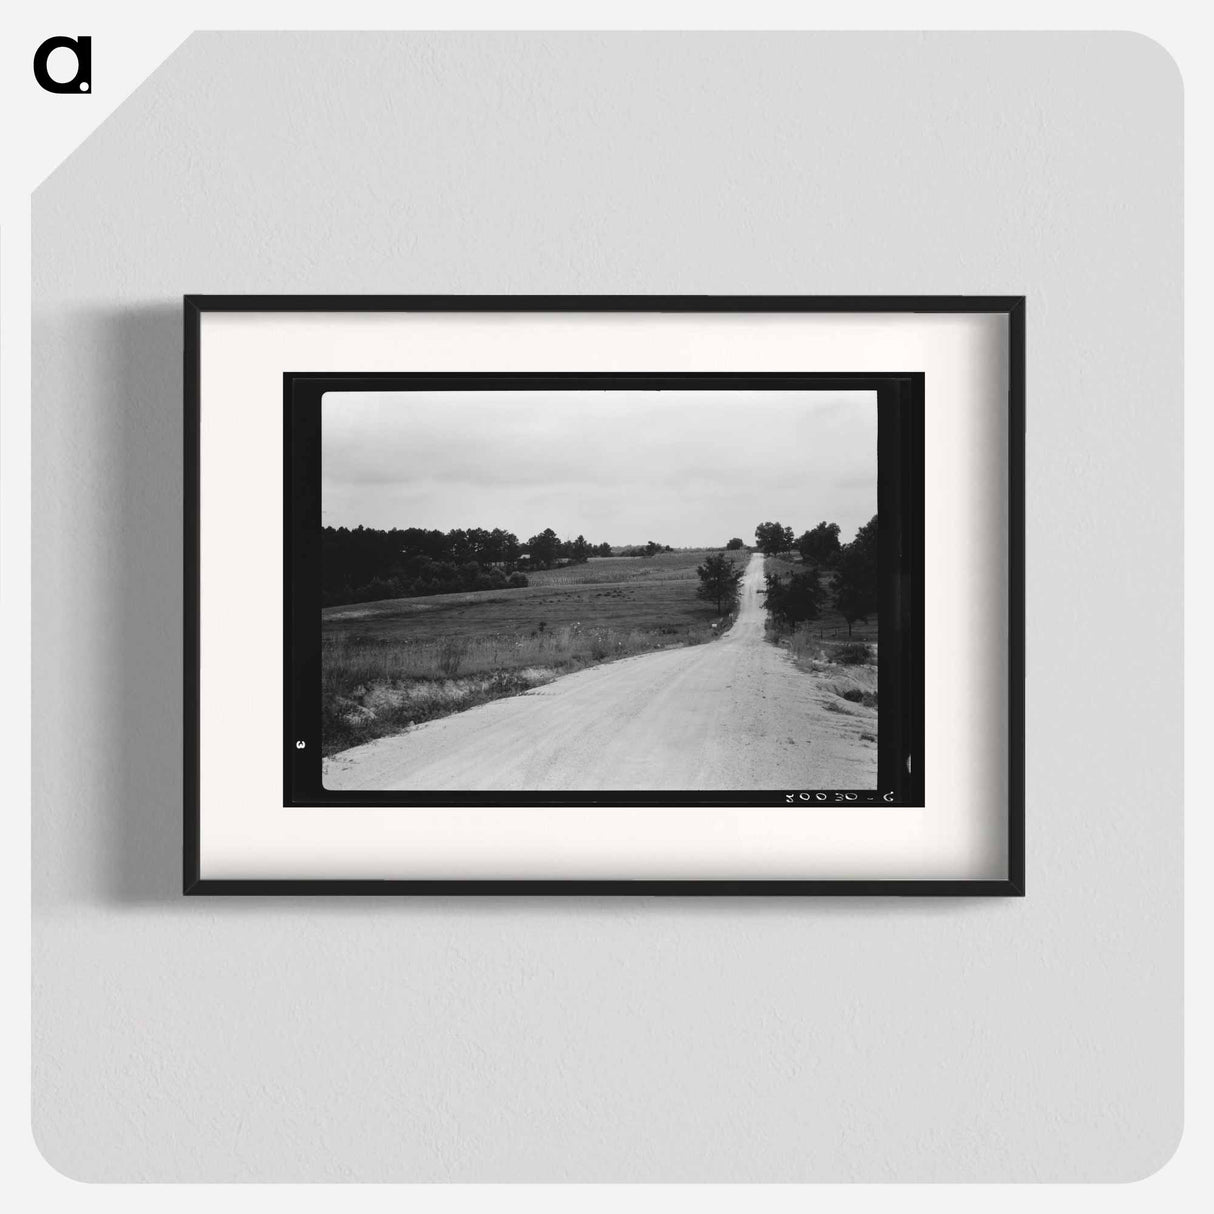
{"points": [[634, 1039]]}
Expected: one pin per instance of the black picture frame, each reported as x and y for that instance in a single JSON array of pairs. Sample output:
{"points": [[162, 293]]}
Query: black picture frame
{"points": [[1010, 307]]}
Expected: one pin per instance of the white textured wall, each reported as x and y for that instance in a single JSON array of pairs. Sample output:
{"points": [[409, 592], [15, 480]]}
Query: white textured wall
{"points": [[625, 1039]]}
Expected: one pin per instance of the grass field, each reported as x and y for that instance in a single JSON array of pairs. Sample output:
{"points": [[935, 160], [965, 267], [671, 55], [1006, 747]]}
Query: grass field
{"points": [[390, 664]]}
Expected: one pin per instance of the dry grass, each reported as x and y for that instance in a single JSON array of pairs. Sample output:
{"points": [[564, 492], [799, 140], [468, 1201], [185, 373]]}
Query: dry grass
{"points": [[844, 673], [621, 570], [849, 681], [391, 664]]}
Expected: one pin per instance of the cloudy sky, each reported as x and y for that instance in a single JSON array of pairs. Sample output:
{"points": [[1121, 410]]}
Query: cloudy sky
{"points": [[687, 469]]}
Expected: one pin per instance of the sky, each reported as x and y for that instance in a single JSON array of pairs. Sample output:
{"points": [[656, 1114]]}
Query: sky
{"points": [[685, 468]]}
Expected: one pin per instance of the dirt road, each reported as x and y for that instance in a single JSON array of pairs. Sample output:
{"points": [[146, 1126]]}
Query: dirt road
{"points": [[732, 714]]}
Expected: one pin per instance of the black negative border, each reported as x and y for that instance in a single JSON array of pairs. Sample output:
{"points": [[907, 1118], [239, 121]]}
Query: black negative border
{"points": [[900, 503], [1012, 307]]}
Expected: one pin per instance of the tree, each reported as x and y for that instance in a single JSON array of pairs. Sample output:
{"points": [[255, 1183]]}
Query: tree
{"points": [[821, 545], [502, 545], [794, 598], [772, 538], [858, 591], [604, 549], [735, 544], [544, 548], [851, 606], [719, 580], [580, 550]]}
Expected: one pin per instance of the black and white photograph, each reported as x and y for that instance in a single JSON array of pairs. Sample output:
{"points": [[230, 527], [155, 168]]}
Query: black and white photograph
{"points": [[633, 590]]}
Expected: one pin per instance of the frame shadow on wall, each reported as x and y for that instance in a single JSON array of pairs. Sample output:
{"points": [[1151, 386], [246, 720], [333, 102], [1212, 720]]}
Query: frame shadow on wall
{"points": [[143, 422]]}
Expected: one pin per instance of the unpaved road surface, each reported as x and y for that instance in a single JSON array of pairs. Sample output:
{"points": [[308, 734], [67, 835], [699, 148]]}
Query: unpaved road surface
{"points": [[732, 714]]}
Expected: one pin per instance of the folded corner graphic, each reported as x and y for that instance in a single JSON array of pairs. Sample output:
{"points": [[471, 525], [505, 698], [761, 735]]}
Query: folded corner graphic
{"points": [[65, 83]]}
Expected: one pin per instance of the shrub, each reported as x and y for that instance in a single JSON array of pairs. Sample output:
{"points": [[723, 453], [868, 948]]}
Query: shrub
{"points": [[854, 653], [855, 695]]}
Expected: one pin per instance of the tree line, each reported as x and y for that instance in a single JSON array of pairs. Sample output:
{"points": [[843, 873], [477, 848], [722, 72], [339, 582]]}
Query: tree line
{"points": [[650, 548], [361, 564], [799, 595], [820, 546]]}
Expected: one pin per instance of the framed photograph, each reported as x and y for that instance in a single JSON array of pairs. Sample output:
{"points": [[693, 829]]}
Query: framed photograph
{"points": [[659, 595]]}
